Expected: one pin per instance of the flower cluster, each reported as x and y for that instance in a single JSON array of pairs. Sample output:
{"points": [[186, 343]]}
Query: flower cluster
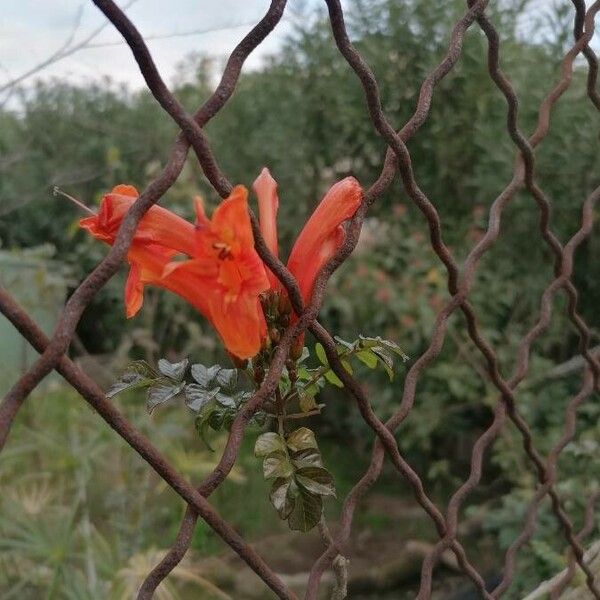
{"points": [[213, 264]]}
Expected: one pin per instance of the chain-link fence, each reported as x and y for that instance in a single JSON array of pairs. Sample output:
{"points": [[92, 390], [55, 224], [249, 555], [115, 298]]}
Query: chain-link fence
{"points": [[459, 280]]}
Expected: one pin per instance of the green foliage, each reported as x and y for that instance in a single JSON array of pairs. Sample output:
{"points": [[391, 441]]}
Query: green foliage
{"points": [[302, 113], [211, 393], [294, 462]]}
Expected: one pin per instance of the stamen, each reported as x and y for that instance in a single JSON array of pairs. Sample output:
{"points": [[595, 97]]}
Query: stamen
{"points": [[56, 191], [223, 248]]}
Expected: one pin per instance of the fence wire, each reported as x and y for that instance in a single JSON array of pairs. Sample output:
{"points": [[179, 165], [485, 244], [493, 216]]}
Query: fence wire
{"points": [[460, 279]]}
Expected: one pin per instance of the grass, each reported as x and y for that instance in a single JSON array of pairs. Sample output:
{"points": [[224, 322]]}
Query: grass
{"points": [[83, 516]]}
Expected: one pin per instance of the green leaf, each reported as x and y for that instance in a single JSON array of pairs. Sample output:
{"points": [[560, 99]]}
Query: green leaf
{"points": [[307, 402], [196, 397], [389, 345], [333, 378], [346, 345], [305, 354], [300, 439], [281, 499], [347, 366], [225, 399], [205, 375], [159, 394], [227, 379], [368, 358], [174, 371], [138, 374], [277, 464], [310, 457], [320, 352], [267, 443], [316, 480], [306, 513], [241, 397], [202, 427], [129, 381], [370, 342], [386, 361], [143, 368], [304, 374], [216, 418]]}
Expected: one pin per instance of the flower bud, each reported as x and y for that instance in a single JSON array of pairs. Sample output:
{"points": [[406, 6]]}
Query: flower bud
{"points": [[285, 306], [296, 349]]}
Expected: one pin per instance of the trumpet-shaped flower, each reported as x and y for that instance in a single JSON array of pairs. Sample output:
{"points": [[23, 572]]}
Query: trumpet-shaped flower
{"points": [[223, 278], [321, 236], [213, 264]]}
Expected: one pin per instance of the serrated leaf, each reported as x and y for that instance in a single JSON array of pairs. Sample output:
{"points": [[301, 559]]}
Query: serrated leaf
{"points": [[390, 345], [205, 376], [159, 394], [305, 354], [306, 513], [225, 400], [307, 402], [143, 368], [202, 427], [320, 352], [276, 464], [282, 501], [370, 342], [310, 457], [367, 358], [138, 374], [346, 345], [196, 397], [300, 439], [304, 374], [316, 480], [347, 366], [227, 379], [267, 443], [216, 418], [129, 381], [333, 378], [386, 361], [241, 397], [174, 371]]}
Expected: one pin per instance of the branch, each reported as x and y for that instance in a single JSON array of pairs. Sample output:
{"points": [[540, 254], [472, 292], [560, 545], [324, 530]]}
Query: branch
{"points": [[64, 51]]}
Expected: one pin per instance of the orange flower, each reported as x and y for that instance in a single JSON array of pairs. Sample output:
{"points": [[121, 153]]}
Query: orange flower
{"points": [[223, 279], [221, 274], [321, 236], [159, 237], [227, 269]]}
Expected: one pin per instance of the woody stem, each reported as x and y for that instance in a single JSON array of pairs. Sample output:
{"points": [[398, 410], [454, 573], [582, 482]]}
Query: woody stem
{"points": [[280, 411]]}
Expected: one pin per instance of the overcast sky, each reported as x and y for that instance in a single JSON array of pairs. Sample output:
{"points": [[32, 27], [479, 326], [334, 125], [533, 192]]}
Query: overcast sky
{"points": [[31, 30]]}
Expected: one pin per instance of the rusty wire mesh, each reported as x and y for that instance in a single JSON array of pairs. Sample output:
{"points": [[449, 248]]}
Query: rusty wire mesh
{"points": [[459, 280]]}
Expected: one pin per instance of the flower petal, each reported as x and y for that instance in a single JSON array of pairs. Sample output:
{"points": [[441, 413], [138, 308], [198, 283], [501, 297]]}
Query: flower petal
{"points": [[265, 188], [157, 226], [323, 234], [231, 221], [134, 291], [240, 323]]}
